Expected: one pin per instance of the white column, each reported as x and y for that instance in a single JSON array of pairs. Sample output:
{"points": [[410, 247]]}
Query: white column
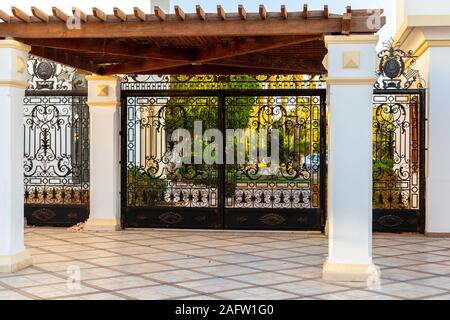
{"points": [[13, 82], [104, 107], [438, 179], [351, 68]]}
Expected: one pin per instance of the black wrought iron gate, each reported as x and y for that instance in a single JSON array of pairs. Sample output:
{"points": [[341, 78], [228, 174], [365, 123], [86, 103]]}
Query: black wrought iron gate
{"points": [[159, 191], [56, 145], [399, 143], [399, 160]]}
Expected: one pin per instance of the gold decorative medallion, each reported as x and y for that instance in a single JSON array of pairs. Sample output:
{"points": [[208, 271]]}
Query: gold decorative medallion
{"points": [[102, 90], [351, 59]]}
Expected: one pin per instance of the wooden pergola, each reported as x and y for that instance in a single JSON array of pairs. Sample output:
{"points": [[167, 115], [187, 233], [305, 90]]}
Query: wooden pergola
{"points": [[185, 43]]}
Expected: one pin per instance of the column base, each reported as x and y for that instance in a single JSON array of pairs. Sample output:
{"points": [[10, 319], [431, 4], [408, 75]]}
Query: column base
{"points": [[437, 234], [350, 272], [14, 263], [102, 225]]}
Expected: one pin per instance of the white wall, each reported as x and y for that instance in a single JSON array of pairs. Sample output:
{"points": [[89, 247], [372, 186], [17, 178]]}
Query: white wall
{"points": [[438, 180], [420, 8]]}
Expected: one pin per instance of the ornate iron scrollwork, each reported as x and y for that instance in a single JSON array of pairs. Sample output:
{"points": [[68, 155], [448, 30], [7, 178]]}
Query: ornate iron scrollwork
{"points": [[171, 217], [43, 214], [48, 75], [272, 219], [395, 69], [390, 221]]}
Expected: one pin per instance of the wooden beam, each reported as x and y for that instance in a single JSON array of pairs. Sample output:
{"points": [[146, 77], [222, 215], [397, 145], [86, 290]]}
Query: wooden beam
{"points": [[262, 12], [19, 14], [100, 15], [5, 17], [112, 47], [326, 12], [138, 13], [193, 28], [82, 65], [284, 14], [59, 15], [305, 11], [120, 15], [39, 14], [221, 13], [200, 13], [180, 13], [160, 14], [346, 23], [80, 14], [242, 13]]}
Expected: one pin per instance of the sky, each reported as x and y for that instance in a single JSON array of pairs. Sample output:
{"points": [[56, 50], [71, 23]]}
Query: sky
{"points": [[336, 6]]}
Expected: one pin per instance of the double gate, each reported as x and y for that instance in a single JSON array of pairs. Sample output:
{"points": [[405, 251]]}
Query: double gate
{"points": [[161, 191]]}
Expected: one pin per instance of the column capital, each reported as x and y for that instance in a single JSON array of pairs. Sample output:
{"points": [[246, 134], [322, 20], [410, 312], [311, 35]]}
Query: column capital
{"points": [[14, 44], [103, 91], [95, 77], [351, 60], [13, 64], [352, 39]]}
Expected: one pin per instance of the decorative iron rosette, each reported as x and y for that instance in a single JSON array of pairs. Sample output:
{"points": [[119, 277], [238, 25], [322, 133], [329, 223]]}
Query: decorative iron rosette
{"points": [[395, 70], [47, 75]]}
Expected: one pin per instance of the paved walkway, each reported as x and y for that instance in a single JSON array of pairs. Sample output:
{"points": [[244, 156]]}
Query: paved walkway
{"points": [[145, 264]]}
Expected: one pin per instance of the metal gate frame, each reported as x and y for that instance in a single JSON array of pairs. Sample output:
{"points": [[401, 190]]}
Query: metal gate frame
{"points": [[407, 220], [59, 215], [221, 217]]}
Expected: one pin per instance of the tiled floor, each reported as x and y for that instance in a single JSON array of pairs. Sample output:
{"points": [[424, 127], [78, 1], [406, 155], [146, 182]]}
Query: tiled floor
{"points": [[145, 264]]}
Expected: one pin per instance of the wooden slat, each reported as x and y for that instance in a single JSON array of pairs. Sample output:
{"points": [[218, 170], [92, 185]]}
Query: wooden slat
{"points": [[200, 12], [305, 11], [160, 14], [262, 12], [80, 14], [221, 13], [326, 12], [5, 17], [39, 14], [19, 14], [284, 13], [242, 13], [59, 14], [180, 13], [100, 15], [346, 23], [138, 13], [120, 15]]}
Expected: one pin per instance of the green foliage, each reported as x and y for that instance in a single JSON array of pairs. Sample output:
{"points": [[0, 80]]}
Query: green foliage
{"points": [[383, 167], [148, 189]]}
